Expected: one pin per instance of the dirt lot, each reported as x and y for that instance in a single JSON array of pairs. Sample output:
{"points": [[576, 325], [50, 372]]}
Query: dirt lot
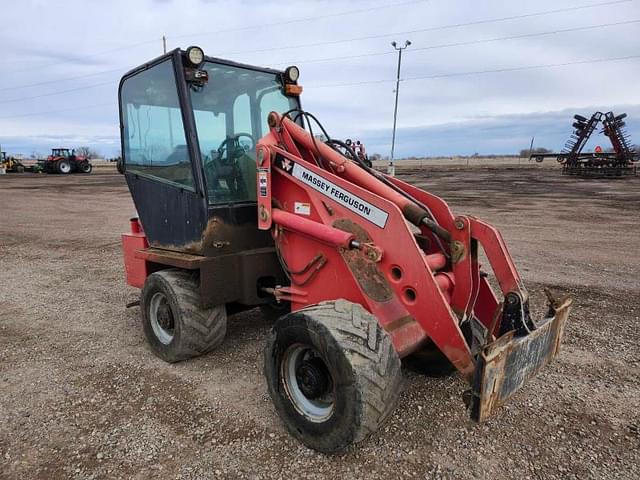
{"points": [[82, 397]]}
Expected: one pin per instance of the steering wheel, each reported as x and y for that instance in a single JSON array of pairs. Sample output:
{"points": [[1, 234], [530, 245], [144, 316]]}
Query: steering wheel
{"points": [[233, 147], [225, 167]]}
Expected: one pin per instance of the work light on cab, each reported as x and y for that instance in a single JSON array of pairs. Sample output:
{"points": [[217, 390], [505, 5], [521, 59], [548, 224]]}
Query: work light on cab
{"points": [[290, 78], [195, 55], [292, 74]]}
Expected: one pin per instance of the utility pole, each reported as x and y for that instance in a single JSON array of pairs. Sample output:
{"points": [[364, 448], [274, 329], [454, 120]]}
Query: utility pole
{"points": [[391, 169], [164, 44]]}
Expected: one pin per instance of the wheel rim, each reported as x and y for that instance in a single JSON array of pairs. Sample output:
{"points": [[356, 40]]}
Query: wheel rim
{"points": [[65, 167], [308, 382], [161, 318]]}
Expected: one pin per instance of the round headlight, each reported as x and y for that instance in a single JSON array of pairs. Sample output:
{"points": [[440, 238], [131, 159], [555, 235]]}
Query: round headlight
{"points": [[195, 55], [292, 74]]}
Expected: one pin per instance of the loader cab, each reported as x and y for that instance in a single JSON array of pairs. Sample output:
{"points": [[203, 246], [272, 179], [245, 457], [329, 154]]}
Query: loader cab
{"points": [[189, 127]]}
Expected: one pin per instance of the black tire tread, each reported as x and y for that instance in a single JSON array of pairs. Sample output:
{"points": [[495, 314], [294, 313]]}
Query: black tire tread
{"points": [[202, 329], [375, 362]]}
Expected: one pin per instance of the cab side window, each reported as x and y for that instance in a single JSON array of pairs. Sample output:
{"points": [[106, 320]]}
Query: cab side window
{"points": [[155, 144]]}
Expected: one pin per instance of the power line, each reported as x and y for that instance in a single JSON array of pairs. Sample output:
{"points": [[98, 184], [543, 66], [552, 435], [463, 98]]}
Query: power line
{"points": [[386, 53], [528, 67], [436, 28], [459, 44], [95, 74], [302, 19], [424, 77], [87, 57], [479, 72], [442, 27], [229, 30], [83, 107], [60, 92]]}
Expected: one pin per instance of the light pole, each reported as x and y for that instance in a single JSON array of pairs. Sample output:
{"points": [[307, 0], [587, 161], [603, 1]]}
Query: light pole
{"points": [[391, 170]]}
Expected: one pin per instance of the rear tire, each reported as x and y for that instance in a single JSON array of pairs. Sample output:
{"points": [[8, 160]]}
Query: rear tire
{"points": [[332, 373], [63, 166], [176, 326]]}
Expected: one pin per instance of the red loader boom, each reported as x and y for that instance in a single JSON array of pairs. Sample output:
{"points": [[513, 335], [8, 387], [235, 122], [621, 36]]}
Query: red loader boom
{"points": [[421, 282]]}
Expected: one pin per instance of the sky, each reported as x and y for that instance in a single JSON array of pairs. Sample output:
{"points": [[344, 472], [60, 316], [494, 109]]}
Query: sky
{"points": [[481, 76]]}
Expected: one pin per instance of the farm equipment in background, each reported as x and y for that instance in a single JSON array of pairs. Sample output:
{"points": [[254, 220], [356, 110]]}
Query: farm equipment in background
{"points": [[65, 161], [621, 161], [358, 149], [241, 207], [10, 164], [613, 127]]}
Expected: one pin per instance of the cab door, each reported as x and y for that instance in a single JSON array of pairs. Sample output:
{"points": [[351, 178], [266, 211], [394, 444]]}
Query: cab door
{"points": [[159, 156]]}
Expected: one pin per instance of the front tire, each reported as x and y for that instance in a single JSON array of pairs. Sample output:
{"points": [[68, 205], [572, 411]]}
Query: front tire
{"points": [[332, 373], [85, 167], [176, 326]]}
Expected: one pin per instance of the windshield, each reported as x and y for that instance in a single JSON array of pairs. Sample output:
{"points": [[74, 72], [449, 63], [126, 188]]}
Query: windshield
{"points": [[231, 116]]}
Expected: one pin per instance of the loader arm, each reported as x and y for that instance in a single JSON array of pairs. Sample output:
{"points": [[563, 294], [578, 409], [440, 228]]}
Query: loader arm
{"points": [[343, 230]]}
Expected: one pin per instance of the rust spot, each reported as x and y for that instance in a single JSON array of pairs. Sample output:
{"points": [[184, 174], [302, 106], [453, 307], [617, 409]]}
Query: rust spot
{"points": [[220, 238], [364, 269], [458, 251], [506, 364]]}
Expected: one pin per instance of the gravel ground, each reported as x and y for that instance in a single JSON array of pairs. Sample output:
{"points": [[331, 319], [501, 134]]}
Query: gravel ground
{"points": [[82, 397]]}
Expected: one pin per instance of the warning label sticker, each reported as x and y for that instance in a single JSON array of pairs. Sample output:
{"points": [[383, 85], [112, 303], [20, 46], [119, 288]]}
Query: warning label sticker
{"points": [[354, 203], [262, 181], [302, 208]]}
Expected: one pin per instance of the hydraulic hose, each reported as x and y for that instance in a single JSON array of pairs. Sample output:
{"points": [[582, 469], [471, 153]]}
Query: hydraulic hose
{"points": [[416, 212]]}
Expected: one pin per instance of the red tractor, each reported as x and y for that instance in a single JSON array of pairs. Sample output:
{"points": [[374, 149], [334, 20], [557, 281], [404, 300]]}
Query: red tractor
{"points": [[241, 206], [64, 161]]}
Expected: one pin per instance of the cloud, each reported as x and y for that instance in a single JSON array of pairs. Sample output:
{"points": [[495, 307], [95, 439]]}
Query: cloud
{"points": [[117, 35]]}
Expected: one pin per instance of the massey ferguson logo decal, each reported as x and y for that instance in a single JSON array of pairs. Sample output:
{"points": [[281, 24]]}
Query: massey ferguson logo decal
{"points": [[354, 203], [286, 164]]}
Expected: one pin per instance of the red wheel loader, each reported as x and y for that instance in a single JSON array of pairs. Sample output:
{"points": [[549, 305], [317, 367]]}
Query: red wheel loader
{"points": [[241, 206]]}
